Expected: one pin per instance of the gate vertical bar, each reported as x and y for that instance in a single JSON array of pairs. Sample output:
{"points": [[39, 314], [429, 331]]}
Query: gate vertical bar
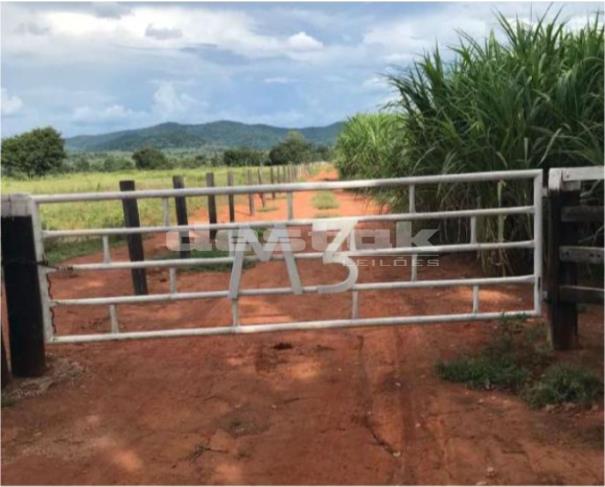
{"points": [[42, 274], [22, 283], [538, 243], [354, 294], [135, 242], [473, 241], [412, 209], [113, 312]]}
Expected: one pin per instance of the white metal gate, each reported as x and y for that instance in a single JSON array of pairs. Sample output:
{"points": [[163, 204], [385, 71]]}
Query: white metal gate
{"points": [[114, 333]]}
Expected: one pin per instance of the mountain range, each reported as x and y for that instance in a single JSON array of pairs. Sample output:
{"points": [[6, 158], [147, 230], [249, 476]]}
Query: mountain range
{"points": [[220, 135]]}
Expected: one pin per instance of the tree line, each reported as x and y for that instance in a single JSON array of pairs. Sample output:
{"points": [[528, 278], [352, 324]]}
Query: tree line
{"points": [[41, 151]]}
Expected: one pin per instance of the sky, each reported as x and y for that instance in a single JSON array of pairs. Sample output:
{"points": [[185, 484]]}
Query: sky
{"points": [[89, 68]]}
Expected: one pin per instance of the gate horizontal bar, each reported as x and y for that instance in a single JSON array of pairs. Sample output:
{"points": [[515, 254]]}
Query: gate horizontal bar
{"points": [[151, 298], [293, 326], [579, 254], [582, 213], [289, 188], [581, 294], [427, 249], [92, 232]]}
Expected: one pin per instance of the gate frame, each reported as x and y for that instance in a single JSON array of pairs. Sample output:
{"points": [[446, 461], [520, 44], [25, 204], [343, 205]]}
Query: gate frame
{"points": [[535, 278]]}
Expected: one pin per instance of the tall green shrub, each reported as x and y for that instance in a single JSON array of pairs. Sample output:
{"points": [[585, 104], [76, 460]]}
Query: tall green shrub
{"points": [[533, 99], [370, 145]]}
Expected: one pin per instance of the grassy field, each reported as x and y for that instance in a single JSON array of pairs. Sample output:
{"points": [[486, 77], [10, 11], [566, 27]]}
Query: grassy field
{"points": [[109, 213], [100, 214]]}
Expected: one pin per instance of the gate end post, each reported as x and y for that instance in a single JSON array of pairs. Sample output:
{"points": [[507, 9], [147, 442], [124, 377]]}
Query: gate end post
{"points": [[24, 304], [562, 315]]}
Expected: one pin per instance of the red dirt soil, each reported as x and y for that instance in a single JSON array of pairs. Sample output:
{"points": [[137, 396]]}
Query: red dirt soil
{"points": [[346, 406]]}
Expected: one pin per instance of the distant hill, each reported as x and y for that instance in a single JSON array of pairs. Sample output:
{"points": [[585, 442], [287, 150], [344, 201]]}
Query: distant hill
{"points": [[223, 134]]}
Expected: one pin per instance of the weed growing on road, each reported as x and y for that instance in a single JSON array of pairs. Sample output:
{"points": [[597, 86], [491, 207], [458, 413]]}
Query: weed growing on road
{"points": [[564, 383], [518, 359], [325, 200]]}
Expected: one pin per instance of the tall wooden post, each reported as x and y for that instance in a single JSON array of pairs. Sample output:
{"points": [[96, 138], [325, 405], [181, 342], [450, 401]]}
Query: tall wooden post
{"points": [[6, 375], [22, 286], [231, 198], [180, 204], [563, 314], [211, 204], [250, 195], [260, 181], [130, 208], [272, 176]]}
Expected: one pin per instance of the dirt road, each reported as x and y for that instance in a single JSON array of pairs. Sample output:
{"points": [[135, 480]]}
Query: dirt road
{"points": [[352, 406]]}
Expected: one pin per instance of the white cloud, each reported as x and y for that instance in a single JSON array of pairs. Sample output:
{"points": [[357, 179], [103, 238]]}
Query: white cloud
{"points": [[146, 27], [10, 104], [167, 101], [113, 113], [162, 34], [280, 80], [303, 42]]}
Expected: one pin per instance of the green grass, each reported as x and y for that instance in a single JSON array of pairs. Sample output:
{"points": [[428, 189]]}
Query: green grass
{"points": [[325, 200], [518, 359], [103, 214], [57, 252], [564, 383], [267, 209], [205, 254], [109, 213]]}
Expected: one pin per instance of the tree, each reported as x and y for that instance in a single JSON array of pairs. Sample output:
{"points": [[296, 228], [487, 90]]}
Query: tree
{"points": [[33, 153], [116, 163], [149, 158], [293, 150], [243, 157]]}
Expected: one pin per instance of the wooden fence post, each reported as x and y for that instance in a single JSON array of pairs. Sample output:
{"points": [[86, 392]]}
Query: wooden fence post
{"points": [[272, 176], [563, 315], [260, 181], [211, 204], [250, 195], [6, 375], [180, 204], [22, 286], [230, 197], [135, 240]]}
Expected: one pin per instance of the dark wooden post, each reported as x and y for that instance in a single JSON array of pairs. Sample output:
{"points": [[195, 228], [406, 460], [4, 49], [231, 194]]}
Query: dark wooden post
{"points": [[250, 195], [180, 204], [272, 175], [231, 198], [22, 286], [211, 204], [260, 181], [6, 375], [563, 314], [135, 240]]}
